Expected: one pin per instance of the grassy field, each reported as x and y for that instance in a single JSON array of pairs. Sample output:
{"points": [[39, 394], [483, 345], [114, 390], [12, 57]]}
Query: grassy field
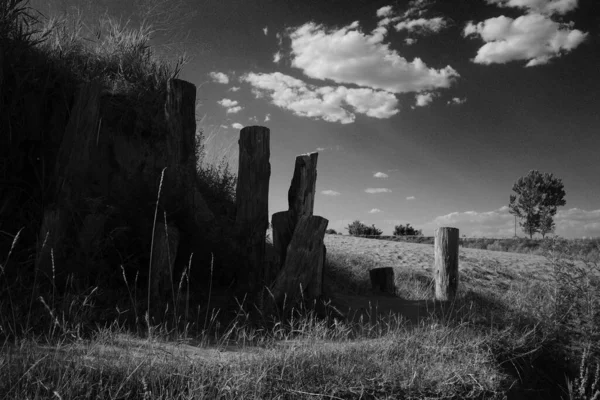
{"points": [[511, 333], [527, 338]]}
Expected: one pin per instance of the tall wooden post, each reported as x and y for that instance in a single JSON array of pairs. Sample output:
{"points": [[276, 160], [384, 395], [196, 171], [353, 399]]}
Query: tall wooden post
{"points": [[446, 263], [252, 204]]}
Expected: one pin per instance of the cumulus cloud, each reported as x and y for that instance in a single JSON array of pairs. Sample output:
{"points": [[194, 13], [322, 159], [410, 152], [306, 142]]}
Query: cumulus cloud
{"points": [[534, 38], [457, 100], [320, 148], [385, 11], [422, 25], [347, 55], [237, 125], [267, 117], [330, 193], [423, 99], [380, 175], [410, 41], [410, 198], [219, 77], [576, 222], [232, 106], [375, 211], [378, 190], [540, 6], [266, 30], [333, 104], [234, 88], [572, 223], [277, 57]]}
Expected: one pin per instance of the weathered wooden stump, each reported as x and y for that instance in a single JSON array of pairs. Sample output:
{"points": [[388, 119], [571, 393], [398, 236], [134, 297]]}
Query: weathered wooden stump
{"points": [[301, 200], [252, 205], [446, 263], [305, 252], [382, 280]]}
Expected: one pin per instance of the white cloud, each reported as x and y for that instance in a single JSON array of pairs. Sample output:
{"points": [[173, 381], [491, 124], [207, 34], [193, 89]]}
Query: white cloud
{"points": [[277, 57], [237, 125], [375, 211], [266, 30], [330, 193], [378, 190], [410, 41], [384, 11], [540, 6], [380, 175], [422, 25], [219, 77], [224, 127], [347, 55], [267, 117], [333, 104], [534, 38], [457, 100], [423, 99], [231, 105], [320, 148], [234, 88], [572, 223], [410, 198]]}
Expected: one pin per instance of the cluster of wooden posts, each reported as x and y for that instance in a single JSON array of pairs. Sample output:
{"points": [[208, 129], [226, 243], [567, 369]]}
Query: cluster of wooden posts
{"points": [[298, 234]]}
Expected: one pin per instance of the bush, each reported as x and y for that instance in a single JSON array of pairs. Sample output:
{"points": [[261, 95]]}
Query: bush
{"points": [[331, 232], [357, 228], [406, 230]]}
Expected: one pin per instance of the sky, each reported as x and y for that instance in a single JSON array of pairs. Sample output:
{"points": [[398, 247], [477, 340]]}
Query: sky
{"points": [[423, 112]]}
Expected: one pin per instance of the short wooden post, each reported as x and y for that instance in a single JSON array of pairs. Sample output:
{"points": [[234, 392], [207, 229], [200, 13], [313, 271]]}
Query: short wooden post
{"points": [[446, 263], [252, 206], [382, 280]]}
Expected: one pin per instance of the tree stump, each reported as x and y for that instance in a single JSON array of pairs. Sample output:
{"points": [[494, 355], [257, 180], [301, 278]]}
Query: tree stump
{"points": [[252, 204], [446, 263], [305, 253], [382, 280]]}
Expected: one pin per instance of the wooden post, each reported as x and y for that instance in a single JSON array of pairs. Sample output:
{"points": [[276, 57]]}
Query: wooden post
{"points": [[301, 196], [301, 264], [446, 263], [301, 201], [252, 204], [382, 280]]}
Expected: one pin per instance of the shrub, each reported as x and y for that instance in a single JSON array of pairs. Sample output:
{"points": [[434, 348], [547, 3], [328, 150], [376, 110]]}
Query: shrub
{"points": [[331, 232], [406, 230], [357, 228]]}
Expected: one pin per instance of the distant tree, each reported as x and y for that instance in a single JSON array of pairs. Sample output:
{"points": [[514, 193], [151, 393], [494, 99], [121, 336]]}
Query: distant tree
{"points": [[357, 228], [406, 230], [331, 232], [537, 197], [546, 224]]}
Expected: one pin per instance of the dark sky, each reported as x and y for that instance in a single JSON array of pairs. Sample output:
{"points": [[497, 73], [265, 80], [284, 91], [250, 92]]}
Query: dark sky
{"points": [[423, 112]]}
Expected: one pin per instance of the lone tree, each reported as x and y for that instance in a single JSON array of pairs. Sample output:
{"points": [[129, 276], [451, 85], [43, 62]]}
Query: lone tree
{"points": [[537, 198], [357, 228], [406, 230]]}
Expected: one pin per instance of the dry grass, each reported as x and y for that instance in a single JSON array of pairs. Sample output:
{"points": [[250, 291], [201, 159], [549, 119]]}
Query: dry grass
{"points": [[517, 333]]}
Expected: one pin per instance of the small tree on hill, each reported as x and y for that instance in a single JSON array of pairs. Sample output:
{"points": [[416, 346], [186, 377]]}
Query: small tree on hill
{"points": [[537, 197], [357, 228], [406, 230], [546, 225]]}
